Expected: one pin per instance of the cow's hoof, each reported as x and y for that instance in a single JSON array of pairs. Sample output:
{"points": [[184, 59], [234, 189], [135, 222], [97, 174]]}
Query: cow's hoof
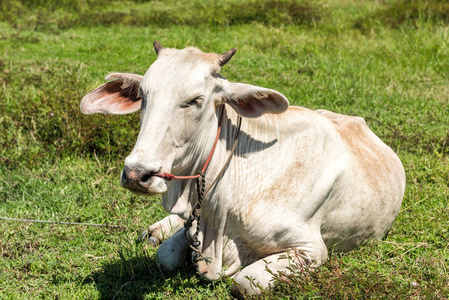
{"points": [[147, 238]]}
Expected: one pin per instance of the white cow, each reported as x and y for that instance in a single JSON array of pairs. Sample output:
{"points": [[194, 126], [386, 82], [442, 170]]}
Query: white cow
{"points": [[289, 185]]}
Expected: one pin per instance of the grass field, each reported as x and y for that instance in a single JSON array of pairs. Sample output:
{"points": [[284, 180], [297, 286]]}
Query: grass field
{"points": [[387, 61]]}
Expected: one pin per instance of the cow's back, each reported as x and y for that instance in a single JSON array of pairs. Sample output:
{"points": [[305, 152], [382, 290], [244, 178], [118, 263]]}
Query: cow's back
{"points": [[369, 193]]}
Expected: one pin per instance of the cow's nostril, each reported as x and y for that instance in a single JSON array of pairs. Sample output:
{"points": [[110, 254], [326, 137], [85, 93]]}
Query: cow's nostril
{"points": [[124, 176], [146, 177]]}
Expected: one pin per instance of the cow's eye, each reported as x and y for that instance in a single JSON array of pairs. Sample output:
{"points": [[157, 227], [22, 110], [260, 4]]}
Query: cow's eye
{"points": [[197, 101]]}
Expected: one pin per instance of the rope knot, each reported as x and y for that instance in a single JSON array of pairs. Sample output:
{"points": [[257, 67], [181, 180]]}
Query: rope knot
{"points": [[169, 176], [198, 212]]}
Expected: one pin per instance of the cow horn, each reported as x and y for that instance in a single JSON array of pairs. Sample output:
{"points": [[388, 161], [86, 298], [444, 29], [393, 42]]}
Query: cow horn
{"points": [[225, 57], [157, 47]]}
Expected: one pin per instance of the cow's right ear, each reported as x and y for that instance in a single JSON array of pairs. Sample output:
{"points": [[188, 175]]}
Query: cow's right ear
{"points": [[119, 96]]}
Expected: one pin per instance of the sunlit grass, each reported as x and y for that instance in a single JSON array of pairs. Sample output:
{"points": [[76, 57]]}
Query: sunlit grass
{"points": [[57, 164]]}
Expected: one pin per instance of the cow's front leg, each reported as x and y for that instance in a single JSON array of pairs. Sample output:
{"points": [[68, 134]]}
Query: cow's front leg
{"points": [[175, 252], [253, 278], [162, 230]]}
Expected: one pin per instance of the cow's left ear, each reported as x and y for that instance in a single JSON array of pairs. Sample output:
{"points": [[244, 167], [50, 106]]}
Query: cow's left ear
{"points": [[252, 101], [119, 96]]}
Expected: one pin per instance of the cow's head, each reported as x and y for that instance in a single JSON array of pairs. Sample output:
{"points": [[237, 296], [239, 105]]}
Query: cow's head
{"points": [[178, 96]]}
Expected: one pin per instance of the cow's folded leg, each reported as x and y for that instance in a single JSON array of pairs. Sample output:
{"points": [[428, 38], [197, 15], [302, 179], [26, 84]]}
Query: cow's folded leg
{"points": [[174, 253], [162, 230], [259, 275]]}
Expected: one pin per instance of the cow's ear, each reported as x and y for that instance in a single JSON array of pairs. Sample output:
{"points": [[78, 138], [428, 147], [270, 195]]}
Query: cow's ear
{"points": [[119, 96], [252, 101]]}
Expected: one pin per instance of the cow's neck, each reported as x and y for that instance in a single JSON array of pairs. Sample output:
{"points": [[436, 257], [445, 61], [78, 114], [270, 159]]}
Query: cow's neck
{"points": [[258, 138], [228, 199], [181, 196]]}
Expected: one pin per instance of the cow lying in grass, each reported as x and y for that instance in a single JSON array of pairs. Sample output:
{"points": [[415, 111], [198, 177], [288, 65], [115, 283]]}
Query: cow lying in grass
{"points": [[269, 184]]}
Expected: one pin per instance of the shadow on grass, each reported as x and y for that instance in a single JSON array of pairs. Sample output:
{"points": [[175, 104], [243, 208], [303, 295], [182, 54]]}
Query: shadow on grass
{"points": [[135, 275], [138, 276]]}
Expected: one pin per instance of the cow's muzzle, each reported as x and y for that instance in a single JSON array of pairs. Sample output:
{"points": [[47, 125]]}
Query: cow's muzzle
{"points": [[138, 180]]}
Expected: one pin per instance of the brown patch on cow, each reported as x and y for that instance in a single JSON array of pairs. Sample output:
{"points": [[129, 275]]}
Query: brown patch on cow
{"points": [[213, 59], [373, 159], [194, 54]]}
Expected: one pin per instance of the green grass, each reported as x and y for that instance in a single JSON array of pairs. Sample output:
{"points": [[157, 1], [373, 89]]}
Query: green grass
{"points": [[385, 61]]}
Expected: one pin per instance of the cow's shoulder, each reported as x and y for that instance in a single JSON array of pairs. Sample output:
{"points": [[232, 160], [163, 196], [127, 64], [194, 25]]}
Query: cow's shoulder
{"points": [[342, 121], [363, 143], [329, 123], [352, 129], [372, 158]]}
